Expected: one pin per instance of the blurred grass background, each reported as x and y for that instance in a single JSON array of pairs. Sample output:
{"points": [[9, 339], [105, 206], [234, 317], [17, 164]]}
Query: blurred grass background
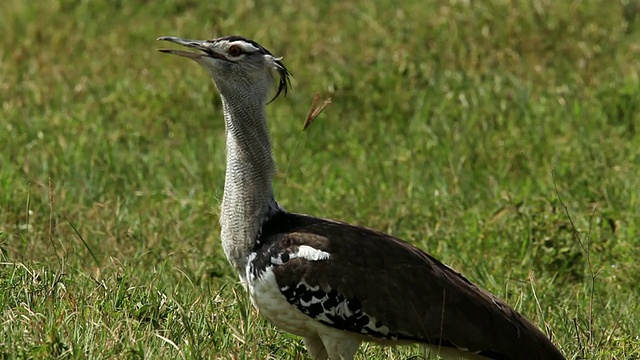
{"points": [[460, 126]]}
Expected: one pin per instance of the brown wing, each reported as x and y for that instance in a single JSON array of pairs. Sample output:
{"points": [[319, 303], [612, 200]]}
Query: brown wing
{"points": [[380, 286]]}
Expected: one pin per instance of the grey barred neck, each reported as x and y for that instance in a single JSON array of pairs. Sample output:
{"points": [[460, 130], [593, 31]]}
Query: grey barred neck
{"points": [[248, 198]]}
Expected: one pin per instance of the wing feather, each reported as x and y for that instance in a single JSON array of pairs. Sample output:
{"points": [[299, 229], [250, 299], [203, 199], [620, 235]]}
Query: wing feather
{"points": [[392, 290]]}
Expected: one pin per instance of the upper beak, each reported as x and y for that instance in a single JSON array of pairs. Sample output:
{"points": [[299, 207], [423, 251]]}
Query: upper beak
{"points": [[198, 44]]}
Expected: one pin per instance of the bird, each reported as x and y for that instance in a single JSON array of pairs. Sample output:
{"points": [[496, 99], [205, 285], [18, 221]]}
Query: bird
{"points": [[334, 284]]}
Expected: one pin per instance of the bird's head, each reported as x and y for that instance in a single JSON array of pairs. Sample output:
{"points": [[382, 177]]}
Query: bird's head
{"points": [[239, 67]]}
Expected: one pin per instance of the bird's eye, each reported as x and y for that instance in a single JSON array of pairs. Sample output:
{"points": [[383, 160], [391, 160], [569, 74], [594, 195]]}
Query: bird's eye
{"points": [[235, 51]]}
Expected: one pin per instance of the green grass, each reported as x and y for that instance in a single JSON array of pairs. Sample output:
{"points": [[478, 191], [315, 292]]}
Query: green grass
{"points": [[452, 124]]}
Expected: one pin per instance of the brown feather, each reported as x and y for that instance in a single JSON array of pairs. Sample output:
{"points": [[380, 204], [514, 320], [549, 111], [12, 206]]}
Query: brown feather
{"points": [[403, 287]]}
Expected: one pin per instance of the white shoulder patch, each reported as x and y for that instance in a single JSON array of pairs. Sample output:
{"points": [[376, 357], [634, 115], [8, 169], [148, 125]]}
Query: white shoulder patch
{"points": [[312, 254]]}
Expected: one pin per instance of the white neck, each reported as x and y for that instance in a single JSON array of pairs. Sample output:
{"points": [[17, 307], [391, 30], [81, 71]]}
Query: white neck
{"points": [[248, 194]]}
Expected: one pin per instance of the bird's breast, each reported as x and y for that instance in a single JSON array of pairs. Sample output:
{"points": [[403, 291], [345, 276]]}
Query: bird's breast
{"points": [[268, 299]]}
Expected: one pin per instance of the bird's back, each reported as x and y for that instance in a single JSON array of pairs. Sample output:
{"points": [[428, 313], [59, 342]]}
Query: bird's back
{"points": [[387, 290]]}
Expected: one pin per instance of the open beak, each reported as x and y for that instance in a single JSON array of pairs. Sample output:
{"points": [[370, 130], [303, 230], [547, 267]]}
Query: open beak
{"points": [[198, 44]]}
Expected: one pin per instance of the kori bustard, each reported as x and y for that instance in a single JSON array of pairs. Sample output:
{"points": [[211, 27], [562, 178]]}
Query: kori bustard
{"points": [[332, 283]]}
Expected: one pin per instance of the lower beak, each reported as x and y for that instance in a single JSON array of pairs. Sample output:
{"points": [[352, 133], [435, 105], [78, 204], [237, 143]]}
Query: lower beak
{"points": [[198, 44]]}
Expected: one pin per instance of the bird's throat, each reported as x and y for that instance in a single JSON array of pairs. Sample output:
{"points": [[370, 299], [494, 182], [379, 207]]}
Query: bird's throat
{"points": [[248, 192]]}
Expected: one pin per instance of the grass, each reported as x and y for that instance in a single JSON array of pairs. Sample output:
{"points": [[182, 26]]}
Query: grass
{"points": [[462, 127]]}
